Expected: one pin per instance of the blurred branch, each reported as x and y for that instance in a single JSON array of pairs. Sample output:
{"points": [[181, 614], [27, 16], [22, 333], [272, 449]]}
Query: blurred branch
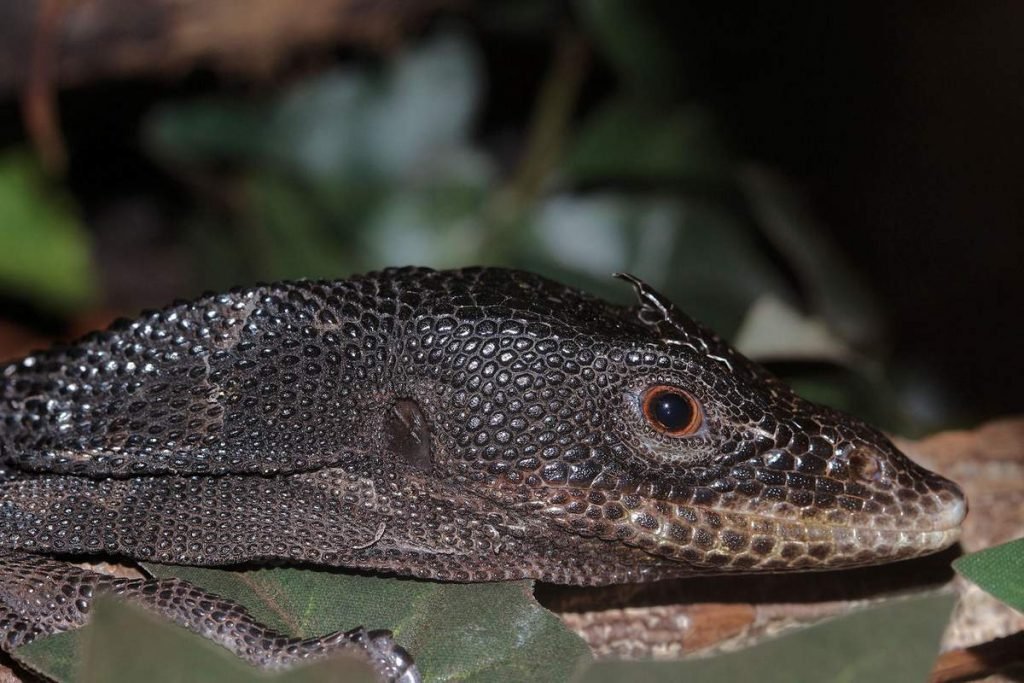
{"points": [[551, 118], [979, 661], [98, 39], [39, 98]]}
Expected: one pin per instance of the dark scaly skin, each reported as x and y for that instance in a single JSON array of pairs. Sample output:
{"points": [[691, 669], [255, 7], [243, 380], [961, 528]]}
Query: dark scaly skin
{"points": [[472, 425]]}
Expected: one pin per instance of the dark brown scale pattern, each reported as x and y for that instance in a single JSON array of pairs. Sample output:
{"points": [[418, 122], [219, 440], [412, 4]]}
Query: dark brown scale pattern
{"points": [[471, 425]]}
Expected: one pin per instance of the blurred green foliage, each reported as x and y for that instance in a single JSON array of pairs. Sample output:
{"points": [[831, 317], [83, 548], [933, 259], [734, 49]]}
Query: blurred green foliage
{"points": [[349, 170], [627, 140], [374, 165], [44, 250]]}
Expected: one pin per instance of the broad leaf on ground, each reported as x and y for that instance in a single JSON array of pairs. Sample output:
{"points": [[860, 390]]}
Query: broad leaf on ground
{"points": [[125, 644], [998, 570], [466, 632]]}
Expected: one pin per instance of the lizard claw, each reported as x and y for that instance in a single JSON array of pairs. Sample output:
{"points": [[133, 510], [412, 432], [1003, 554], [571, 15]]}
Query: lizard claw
{"points": [[400, 667]]}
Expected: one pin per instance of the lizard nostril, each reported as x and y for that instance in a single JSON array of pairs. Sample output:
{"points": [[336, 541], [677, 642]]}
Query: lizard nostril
{"points": [[865, 466]]}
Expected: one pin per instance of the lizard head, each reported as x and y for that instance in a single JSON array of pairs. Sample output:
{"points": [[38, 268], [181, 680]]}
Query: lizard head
{"points": [[638, 426]]}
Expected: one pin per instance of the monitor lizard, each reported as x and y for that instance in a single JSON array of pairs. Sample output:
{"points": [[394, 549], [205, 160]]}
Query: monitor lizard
{"points": [[480, 424]]}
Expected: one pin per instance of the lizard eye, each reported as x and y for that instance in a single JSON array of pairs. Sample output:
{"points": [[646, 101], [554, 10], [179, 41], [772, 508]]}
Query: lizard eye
{"points": [[671, 410]]}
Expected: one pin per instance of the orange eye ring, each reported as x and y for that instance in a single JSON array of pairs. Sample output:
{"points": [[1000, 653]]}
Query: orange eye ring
{"points": [[671, 411]]}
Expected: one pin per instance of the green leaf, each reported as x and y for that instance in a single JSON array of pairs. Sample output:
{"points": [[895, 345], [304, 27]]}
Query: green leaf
{"points": [[629, 139], [44, 251], [55, 657], [126, 644], [998, 570], [465, 632], [893, 642]]}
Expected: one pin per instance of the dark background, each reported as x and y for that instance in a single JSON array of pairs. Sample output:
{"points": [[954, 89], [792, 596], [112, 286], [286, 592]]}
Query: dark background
{"points": [[897, 128]]}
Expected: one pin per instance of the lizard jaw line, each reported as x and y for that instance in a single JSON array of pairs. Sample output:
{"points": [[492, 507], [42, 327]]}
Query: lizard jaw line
{"points": [[851, 545], [947, 521]]}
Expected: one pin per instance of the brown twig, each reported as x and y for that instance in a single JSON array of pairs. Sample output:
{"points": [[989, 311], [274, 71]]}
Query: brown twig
{"points": [[979, 661], [39, 96], [548, 125]]}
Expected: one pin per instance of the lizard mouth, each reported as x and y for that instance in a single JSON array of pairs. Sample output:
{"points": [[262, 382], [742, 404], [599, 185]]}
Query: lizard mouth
{"points": [[739, 534], [721, 537], [896, 511]]}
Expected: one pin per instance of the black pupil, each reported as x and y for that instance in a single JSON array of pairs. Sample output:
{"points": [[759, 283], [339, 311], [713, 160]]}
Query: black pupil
{"points": [[672, 411]]}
